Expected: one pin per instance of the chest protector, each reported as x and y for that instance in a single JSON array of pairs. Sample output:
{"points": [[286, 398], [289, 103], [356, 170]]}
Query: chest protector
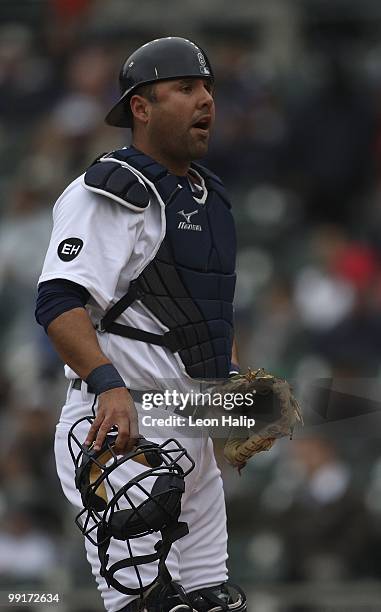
{"points": [[189, 285]]}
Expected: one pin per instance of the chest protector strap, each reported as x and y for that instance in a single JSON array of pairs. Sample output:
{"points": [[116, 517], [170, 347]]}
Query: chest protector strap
{"points": [[171, 339], [189, 285]]}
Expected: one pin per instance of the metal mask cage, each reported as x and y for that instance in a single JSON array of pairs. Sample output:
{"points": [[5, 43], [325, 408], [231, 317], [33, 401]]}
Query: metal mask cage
{"points": [[168, 454]]}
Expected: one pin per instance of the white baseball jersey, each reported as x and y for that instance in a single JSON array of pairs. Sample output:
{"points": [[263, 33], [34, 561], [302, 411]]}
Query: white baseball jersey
{"points": [[102, 246]]}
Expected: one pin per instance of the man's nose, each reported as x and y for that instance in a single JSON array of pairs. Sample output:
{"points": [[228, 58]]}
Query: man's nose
{"points": [[205, 98]]}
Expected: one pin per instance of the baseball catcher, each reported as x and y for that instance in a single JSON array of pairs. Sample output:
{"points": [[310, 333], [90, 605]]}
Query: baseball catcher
{"points": [[137, 289]]}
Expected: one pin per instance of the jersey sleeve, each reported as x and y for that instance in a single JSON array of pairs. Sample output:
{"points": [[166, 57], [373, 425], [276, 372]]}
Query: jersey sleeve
{"points": [[91, 242]]}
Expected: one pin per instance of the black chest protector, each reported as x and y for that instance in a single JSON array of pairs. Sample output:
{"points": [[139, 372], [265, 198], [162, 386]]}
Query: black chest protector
{"points": [[189, 285]]}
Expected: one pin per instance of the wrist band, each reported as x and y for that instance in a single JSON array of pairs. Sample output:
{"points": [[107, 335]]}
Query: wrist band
{"points": [[103, 378]]}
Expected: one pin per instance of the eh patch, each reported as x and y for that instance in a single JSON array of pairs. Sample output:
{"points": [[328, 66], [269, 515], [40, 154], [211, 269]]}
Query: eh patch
{"points": [[69, 248]]}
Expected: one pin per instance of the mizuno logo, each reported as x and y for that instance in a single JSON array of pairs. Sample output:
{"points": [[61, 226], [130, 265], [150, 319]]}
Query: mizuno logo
{"points": [[187, 216], [187, 224]]}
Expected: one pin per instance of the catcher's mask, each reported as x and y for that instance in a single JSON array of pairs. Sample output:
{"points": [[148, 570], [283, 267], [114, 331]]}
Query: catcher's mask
{"points": [[110, 513], [161, 59]]}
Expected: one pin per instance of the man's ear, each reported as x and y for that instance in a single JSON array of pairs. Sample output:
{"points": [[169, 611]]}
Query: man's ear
{"points": [[139, 108]]}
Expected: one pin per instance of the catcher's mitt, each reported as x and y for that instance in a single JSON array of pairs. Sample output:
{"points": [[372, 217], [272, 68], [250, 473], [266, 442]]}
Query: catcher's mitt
{"points": [[273, 407]]}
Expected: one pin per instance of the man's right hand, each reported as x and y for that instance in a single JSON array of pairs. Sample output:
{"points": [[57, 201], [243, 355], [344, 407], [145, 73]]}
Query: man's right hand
{"points": [[75, 339], [115, 407]]}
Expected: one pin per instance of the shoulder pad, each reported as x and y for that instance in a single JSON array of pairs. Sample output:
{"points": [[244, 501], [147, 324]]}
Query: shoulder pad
{"points": [[115, 181]]}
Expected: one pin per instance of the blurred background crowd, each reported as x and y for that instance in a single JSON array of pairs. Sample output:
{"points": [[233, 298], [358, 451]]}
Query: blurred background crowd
{"points": [[298, 143]]}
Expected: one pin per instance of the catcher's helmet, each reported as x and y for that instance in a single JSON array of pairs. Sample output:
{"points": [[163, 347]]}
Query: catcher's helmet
{"points": [[150, 502], [159, 60]]}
